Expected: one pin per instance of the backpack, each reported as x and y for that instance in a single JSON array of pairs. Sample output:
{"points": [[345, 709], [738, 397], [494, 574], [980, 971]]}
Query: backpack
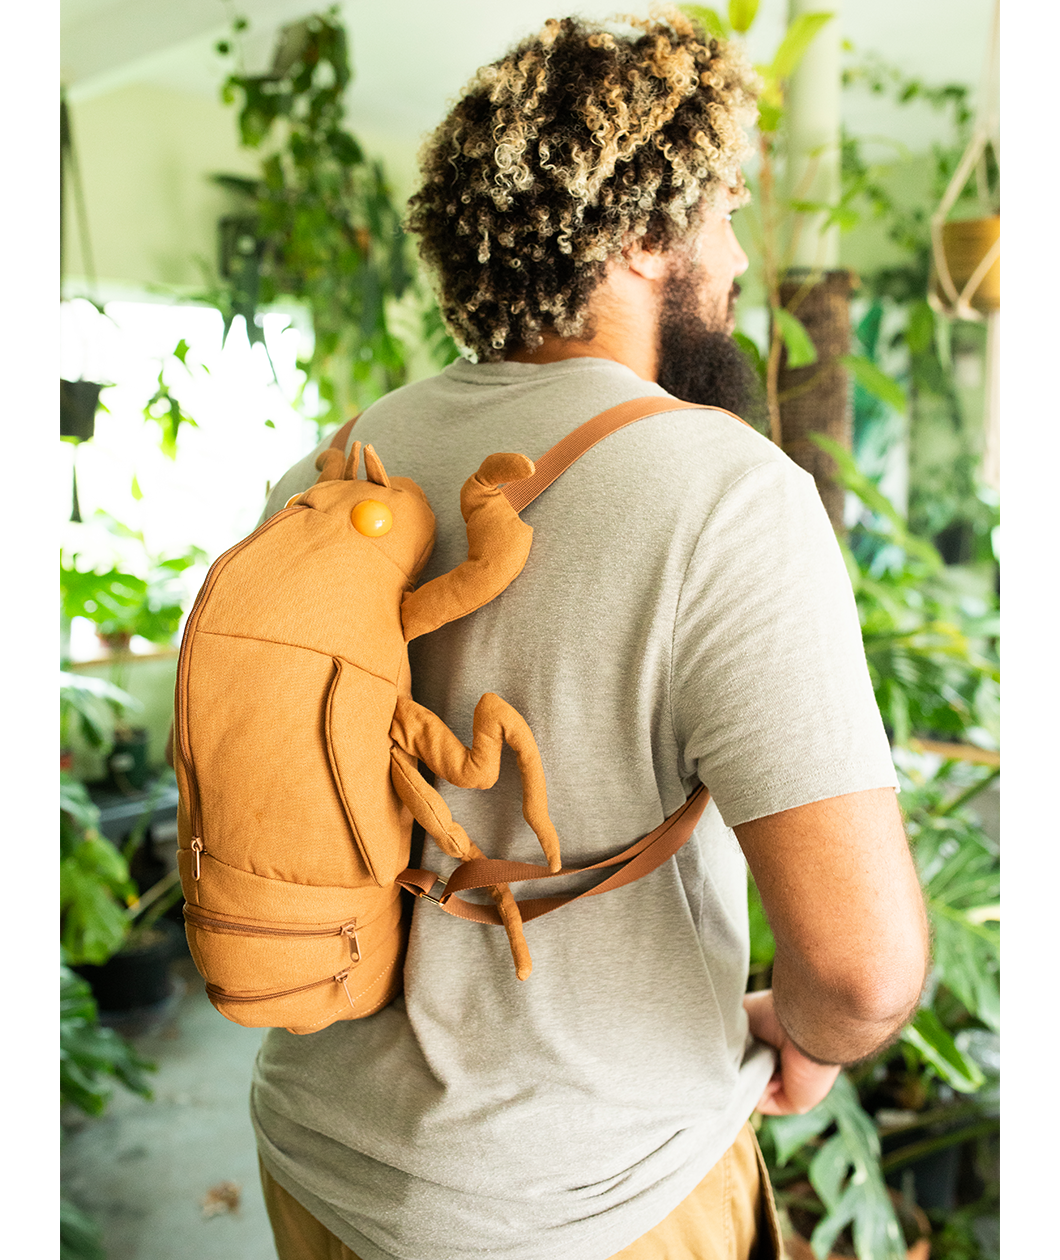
{"points": [[297, 740]]}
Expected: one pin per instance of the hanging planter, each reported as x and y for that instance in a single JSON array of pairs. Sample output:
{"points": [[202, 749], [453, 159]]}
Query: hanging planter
{"points": [[966, 254], [971, 249], [968, 264]]}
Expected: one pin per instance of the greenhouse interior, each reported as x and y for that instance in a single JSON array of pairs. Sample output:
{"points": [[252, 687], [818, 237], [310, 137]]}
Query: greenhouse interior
{"points": [[242, 274]]}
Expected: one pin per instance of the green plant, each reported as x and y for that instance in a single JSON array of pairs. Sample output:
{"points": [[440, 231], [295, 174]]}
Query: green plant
{"points": [[90, 709], [100, 908], [945, 500], [931, 652], [165, 409], [91, 1060], [933, 663], [121, 604], [94, 883], [319, 225]]}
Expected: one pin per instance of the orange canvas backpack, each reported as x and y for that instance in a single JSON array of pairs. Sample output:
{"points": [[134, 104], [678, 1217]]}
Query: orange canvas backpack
{"points": [[297, 740]]}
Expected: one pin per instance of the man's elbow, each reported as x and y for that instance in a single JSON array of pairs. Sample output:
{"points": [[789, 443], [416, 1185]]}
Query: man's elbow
{"points": [[847, 1005], [887, 999], [881, 992]]}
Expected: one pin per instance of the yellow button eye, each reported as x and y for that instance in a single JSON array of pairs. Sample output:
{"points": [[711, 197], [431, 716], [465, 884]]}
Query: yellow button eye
{"points": [[372, 518]]}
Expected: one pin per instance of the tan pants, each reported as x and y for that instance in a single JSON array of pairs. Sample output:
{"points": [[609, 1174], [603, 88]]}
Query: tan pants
{"points": [[729, 1216]]}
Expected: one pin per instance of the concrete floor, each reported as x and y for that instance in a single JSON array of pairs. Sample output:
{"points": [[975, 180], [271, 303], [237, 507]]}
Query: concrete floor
{"points": [[144, 1170]]}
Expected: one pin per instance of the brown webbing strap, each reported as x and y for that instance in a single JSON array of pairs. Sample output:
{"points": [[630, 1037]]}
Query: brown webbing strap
{"points": [[338, 442], [557, 459], [640, 859]]}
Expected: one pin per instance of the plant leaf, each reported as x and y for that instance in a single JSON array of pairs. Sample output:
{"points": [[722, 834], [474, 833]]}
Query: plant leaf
{"points": [[927, 1035], [828, 1168], [864, 1200], [856, 481], [791, 1132], [770, 115], [875, 382], [742, 14], [710, 19], [797, 39], [80, 1238], [763, 946], [801, 350], [751, 350]]}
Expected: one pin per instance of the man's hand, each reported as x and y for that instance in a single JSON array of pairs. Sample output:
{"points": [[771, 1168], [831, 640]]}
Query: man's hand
{"points": [[799, 1083]]}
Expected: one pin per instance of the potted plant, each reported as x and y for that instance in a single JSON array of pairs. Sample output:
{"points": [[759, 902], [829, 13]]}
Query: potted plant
{"points": [[113, 934], [122, 605]]}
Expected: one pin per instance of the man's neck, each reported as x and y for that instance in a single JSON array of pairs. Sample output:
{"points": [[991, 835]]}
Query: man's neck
{"points": [[623, 315]]}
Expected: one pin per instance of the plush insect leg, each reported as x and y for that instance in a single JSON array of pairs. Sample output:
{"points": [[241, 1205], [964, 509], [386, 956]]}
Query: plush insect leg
{"points": [[498, 543], [424, 735], [432, 813]]}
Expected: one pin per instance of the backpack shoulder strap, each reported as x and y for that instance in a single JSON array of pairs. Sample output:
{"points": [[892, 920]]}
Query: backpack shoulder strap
{"points": [[341, 436], [559, 458]]}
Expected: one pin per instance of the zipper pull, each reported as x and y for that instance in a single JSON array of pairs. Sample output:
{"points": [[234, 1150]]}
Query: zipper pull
{"points": [[197, 848], [341, 979], [349, 930]]}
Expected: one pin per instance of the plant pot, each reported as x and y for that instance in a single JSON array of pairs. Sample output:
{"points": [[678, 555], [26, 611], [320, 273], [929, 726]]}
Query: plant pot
{"points": [[78, 401], [127, 761], [965, 243], [137, 977], [914, 1222]]}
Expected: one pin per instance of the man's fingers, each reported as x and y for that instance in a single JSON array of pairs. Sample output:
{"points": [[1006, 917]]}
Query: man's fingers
{"points": [[803, 1083]]}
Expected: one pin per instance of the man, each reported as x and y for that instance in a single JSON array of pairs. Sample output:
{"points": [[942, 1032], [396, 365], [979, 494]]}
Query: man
{"points": [[684, 617]]}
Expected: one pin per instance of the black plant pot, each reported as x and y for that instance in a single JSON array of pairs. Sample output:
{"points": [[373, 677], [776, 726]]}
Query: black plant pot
{"points": [[934, 1178], [78, 401], [127, 762], [137, 977]]}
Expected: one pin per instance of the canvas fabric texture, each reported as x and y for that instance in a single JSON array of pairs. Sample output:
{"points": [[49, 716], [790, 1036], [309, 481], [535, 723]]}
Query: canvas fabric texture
{"points": [[684, 616]]}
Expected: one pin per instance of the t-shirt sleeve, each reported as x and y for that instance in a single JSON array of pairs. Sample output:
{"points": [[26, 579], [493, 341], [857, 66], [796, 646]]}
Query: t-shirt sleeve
{"points": [[771, 698]]}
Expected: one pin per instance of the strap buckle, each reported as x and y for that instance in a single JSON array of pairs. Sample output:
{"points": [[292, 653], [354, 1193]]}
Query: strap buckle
{"points": [[429, 896]]}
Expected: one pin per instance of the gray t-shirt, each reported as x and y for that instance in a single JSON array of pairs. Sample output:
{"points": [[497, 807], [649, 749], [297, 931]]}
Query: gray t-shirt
{"points": [[684, 615]]}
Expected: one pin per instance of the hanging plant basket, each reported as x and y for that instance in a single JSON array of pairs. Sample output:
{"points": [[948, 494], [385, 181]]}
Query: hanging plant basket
{"points": [[972, 258]]}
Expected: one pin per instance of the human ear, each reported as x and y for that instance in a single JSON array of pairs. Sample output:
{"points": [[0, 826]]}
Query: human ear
{"points": [[649, 264]]}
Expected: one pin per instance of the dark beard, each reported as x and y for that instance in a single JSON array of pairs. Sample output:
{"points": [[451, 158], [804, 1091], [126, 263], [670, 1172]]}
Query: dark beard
{"points": [[702, 365]]}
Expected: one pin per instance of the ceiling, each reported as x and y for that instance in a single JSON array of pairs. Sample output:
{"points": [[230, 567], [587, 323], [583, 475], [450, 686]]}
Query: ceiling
{"points": [[412, 56]]}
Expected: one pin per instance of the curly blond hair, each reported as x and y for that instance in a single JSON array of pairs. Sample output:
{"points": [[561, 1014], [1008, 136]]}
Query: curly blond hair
{"points": [[578, 142]]}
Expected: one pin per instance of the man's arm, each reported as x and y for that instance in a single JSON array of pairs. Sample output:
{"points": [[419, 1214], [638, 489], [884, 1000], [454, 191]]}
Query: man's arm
{"points": [[841, 893]]}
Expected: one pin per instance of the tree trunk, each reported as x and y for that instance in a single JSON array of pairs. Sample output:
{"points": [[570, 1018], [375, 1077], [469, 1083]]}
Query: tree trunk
{"points": [[817, 398]]}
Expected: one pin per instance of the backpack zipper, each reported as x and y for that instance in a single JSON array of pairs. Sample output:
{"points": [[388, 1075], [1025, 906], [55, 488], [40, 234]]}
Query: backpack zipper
{"points": [[182, 676], [222, 995], [210, 924]]}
